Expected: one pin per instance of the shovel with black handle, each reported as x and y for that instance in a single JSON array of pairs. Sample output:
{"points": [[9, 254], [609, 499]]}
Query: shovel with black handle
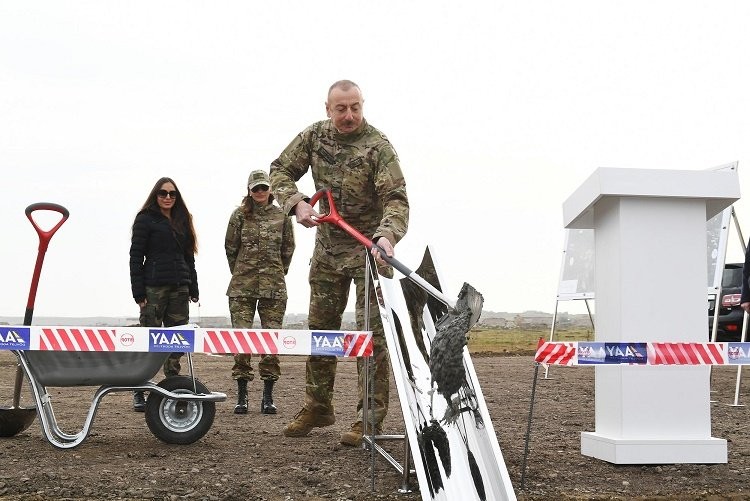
{"points": [[16, 419]]}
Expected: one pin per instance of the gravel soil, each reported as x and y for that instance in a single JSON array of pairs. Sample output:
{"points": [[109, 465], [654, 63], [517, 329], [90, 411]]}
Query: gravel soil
{"points": [[247, 457]]}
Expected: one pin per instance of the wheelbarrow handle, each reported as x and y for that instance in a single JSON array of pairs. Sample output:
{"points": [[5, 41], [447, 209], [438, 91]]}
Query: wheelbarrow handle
{"points": [[44, 237], [334, 217]]}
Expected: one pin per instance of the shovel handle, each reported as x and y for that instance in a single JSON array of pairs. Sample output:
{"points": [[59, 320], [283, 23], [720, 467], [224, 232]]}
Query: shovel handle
{"points": [[17, 386], [334, 217], [44, 237]]}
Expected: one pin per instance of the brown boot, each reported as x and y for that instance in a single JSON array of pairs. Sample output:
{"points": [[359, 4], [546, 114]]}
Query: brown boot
{"points": [[353, 437], [306, 420]]}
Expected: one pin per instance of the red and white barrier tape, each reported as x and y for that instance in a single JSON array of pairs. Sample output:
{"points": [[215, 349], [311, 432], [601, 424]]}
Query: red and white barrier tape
{"points": [[187, 338], [641, 353]]}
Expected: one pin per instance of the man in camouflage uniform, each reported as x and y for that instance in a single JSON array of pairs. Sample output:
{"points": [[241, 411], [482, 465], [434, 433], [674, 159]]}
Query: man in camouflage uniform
{"points": [[259, 244], [360, 166]]}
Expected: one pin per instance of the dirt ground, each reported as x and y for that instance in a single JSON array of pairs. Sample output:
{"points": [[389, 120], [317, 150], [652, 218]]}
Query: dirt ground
{"points": [[247, 457]]}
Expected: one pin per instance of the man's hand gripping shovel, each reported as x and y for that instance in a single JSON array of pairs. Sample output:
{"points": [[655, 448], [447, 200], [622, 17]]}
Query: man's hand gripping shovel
{"points": [[446, 351]]}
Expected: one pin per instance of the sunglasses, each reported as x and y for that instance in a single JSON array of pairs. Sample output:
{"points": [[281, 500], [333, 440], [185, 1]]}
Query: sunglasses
{"points": [[164, 194], [260, 187]]}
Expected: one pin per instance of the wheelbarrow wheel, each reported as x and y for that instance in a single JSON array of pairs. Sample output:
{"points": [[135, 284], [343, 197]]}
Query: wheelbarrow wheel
{"points": [[179, 421]]}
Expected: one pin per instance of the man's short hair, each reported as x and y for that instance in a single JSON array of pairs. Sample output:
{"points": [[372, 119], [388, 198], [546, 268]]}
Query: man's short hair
{"points": [[343, 85]]}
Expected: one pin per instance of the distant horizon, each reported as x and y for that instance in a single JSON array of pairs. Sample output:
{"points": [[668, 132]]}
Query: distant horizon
{"points": [[347, 314]]}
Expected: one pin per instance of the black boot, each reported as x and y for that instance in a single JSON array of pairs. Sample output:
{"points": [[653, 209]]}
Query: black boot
{"points": [[241, 407], [266, 405], [139, 401]]}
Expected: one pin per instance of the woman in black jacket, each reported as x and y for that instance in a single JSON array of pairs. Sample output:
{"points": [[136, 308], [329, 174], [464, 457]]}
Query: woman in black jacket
{"points": [[162, 265]]}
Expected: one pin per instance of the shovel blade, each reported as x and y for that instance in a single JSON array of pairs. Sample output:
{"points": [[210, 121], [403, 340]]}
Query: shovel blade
{"points": [[451, 335], [473, 301], [15, 420], [465, 314]]}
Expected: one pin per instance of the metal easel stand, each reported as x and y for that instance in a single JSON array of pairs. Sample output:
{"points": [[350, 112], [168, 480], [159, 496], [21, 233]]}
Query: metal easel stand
{"points": [[554, 325], [716, 294], [717, 308], [527, 439], [739, 367], [369, 439], [714, 333]]}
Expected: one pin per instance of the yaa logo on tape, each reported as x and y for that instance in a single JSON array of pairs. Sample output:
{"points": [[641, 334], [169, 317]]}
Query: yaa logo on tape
{"points": [[171, 340], [14, 338]]}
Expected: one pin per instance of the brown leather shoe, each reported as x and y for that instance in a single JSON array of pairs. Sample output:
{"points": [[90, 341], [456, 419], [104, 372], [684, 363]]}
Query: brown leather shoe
{"points": [[353, 437], [306, 420]]}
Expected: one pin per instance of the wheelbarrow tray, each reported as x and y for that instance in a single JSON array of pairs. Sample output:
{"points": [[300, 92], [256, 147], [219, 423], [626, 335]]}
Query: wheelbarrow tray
{"points": [[179, 409], [76, 368]]}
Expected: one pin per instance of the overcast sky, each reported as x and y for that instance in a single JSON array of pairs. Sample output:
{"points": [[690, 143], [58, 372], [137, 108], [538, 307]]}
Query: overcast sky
{"points": [[498, 110]]}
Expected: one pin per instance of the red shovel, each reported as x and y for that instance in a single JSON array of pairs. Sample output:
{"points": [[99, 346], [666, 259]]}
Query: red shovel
{"points": [[473, 298], [451, 329], [15, 419]]}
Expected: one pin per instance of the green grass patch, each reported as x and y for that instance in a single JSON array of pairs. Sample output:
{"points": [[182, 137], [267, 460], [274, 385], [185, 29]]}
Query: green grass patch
{"points": [[519, 341]]}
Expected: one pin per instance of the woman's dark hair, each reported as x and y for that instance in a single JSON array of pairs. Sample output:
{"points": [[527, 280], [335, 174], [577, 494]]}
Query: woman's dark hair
{"points": [[181, 219]]}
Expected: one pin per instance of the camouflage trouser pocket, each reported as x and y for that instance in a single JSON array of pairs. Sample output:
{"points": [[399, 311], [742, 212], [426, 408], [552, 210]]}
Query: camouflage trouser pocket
{"points": [[148, 316], [172, 365]]}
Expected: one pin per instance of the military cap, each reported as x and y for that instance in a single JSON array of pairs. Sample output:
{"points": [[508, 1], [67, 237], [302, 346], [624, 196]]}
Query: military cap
{"points": [[256, 178]]}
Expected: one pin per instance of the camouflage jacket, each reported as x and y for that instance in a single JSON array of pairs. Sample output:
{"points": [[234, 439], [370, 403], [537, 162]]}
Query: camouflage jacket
{"points": [[259, 250], [364, 175]]}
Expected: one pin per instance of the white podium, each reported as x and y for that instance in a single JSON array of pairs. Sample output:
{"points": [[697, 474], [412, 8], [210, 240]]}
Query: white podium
{"points": [[650, 242]]}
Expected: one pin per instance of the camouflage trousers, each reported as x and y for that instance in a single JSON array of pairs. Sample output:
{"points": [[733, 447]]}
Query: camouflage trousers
{"points": [[242, 312], [167, 306], [329, 293]]}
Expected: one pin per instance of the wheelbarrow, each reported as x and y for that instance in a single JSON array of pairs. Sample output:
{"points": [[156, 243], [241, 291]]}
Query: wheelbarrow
{"points": [[179, 409]]}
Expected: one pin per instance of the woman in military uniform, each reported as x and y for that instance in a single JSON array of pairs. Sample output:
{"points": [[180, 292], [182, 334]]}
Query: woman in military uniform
{"points": [[259, 245]]}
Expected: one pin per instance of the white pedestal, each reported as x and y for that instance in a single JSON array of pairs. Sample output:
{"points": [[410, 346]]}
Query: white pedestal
{"points": [[650, 234]]}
